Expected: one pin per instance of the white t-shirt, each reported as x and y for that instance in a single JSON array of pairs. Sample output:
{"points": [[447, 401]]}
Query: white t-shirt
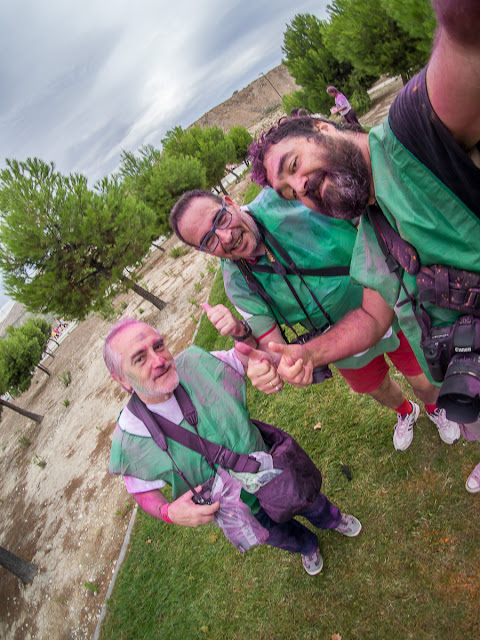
{"points": [[169, 409]]}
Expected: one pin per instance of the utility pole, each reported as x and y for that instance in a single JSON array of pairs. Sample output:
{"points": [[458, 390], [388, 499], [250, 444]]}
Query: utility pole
{"points": [[262, 74]]}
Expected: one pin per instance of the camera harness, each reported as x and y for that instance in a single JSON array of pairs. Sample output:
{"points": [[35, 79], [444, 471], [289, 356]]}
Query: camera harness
{"points": [[441, 285], [160, 428], [246, 268]]}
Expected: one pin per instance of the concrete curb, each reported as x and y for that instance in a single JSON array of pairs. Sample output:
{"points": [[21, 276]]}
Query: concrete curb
{"points": [[120, 560]]}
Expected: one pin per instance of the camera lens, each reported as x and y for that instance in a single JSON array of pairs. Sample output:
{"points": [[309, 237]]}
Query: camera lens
{"points": [[460, 392]]}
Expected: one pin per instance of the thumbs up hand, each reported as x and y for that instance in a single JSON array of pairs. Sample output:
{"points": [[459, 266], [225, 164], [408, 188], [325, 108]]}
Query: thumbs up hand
{"points": [[223, 320], [260, 369], [296, 364]]}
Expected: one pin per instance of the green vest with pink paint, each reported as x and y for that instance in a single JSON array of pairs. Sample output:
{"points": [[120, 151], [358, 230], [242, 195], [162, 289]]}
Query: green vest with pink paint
{"points": [[312, 241], [218, 393], [427, 215]]}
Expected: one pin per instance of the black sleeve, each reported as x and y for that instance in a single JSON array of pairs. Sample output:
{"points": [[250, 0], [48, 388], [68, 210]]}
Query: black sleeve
{"points": [[416, 125]]}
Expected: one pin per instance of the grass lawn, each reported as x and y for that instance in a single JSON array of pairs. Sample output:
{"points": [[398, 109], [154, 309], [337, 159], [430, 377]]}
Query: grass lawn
{"points": [[412, 573]]}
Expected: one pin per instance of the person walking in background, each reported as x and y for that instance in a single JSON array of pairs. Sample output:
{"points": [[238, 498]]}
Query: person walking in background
{"points": [[342, 106]]}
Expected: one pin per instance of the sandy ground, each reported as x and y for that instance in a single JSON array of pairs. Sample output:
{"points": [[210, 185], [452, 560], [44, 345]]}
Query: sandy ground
{"points": [[69, 517]]}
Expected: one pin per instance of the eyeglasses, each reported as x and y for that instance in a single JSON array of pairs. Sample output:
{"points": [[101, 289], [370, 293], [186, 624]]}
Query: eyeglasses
{"points": [[221, 221]]}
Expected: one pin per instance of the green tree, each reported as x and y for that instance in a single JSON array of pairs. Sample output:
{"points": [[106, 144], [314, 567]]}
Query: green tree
{"points": [[417, 18], [209, 145], [64, 248], [138, 168], [366, 34], [314, 66], [159, 179], [20, 352], [241, 139]]}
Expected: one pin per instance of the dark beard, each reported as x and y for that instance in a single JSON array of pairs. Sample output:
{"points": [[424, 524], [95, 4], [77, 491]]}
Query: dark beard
{"points": [[347, 194]]}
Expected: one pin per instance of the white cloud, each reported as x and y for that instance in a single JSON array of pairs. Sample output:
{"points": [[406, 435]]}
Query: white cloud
{"points": [[81, 81]]}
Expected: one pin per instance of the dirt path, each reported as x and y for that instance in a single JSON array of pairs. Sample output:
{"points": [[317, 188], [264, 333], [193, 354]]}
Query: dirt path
{"points": [[69, 517]]}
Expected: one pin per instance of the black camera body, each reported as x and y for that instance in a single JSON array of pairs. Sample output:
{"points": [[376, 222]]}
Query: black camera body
{"points": [[320, 374], [204, 495], [453, 357]]}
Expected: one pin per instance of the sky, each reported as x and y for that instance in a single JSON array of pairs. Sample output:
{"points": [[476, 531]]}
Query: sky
{"points": [[82, 81]]}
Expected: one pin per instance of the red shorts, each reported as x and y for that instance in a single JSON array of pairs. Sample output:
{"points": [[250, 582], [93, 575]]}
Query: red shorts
{"points": [[370, 377]]}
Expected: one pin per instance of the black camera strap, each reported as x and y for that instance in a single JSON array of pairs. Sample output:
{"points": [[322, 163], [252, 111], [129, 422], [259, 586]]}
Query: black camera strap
{"points": [[247, 269], [160, 428], [386, 242]]}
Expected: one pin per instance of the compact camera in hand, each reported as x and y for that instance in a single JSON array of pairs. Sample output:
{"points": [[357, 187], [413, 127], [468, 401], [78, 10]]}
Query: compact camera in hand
{"points": [[204, 495]]}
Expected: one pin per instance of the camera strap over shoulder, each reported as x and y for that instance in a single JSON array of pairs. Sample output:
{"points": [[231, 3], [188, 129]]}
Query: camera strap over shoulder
{"points": [[161, 428], [247, 269], [441, 285], [398, 253]]}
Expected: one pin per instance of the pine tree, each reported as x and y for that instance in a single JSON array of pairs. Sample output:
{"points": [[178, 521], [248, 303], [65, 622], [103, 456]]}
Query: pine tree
{"points": [[65, 248]]}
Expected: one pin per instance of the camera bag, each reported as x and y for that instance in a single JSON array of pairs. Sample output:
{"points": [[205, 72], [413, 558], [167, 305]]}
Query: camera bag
{"points": [[440, 285]]}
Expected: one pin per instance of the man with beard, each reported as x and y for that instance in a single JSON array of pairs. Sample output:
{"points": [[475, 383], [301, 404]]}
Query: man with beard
{"points": [[137, 358], [251, 244], [420, 167]]}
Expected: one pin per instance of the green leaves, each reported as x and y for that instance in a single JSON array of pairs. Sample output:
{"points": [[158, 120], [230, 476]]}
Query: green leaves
{"points": [[381, 37], [63, 247], [20, 352], [313, 65], [210, 146]]}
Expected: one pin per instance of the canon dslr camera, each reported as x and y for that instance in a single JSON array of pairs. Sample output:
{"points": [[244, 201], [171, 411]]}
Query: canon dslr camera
{"points": [[453, 356]]}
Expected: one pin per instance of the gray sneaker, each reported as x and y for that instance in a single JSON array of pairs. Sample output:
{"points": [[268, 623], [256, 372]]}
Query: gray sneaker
{"points": [[349, 526], [313, 564]]}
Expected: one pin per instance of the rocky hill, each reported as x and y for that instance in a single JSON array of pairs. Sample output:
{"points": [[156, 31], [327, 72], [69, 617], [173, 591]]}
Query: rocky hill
{"points": [[253, 103]]}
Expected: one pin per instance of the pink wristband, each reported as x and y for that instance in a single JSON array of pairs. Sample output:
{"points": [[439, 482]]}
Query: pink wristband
{"points": [[164, 513]]}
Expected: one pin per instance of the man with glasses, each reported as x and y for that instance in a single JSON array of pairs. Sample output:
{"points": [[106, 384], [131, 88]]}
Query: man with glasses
{"points": [[255, 246]]}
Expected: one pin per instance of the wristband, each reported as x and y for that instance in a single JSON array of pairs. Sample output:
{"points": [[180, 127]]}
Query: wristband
{"points": [[164, 513], [248, 333]]}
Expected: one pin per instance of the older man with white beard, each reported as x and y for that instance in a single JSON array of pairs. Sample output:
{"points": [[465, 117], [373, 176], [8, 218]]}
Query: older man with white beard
{"points": [[203, 394]]}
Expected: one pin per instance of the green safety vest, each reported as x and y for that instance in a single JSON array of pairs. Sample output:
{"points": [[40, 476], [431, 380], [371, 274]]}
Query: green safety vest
{"points": [[427, 215], [313, 241], [218, 393]]}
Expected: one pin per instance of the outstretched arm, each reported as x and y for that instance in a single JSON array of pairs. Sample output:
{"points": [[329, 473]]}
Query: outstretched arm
{"points": [[357, 331], [453, 74], [182, 511]]}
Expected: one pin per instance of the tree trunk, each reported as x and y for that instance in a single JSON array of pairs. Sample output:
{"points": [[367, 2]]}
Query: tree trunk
{"points": [[20, 568], [49, 353], [158, 247], [44, 369], [160, 304], [225, 192], [23, 412], [233, 172]]}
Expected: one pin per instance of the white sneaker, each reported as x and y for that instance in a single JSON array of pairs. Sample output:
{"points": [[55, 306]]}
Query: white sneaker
{"points": [[313, 564], [349, 526], [473, 481], [403, 436], [448, 431]]}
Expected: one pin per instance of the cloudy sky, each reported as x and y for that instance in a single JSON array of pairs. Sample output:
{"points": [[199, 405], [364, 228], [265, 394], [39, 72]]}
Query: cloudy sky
{"points": [[80, 81]]}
